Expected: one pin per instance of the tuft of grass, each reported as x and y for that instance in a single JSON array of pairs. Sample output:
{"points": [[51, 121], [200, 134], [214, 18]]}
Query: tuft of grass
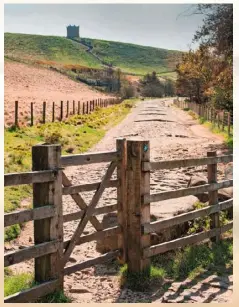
{"points": [[55, 297], [16, 283], [82, 131], [140, 281]]}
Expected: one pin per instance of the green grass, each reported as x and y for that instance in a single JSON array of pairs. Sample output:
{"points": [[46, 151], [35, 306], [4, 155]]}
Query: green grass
{"points": [[189, 262], [130, 58], [14, 283], [76, 135], [28, 47]]}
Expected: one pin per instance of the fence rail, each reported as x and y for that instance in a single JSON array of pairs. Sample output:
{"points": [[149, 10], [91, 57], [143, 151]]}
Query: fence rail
{"points": [[221, 119], [132, 163]]}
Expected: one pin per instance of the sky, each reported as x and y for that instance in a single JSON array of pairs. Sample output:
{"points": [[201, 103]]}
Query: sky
{"points": [[169, 26]]}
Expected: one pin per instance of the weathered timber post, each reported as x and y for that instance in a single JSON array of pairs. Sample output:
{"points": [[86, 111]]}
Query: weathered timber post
{"points": [[87, 107], [83, 109], [44, 112], [138, 206], [223, 117], [122, 197], [32, 118], [67, 108], [61, 111], [47, 157], [53, 111], [213, 196], [16, 114], [78, 111], [74, 108], [228, 123]]}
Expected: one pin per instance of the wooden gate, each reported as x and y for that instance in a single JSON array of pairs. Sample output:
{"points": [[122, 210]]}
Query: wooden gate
{"points": [[131, 160]]}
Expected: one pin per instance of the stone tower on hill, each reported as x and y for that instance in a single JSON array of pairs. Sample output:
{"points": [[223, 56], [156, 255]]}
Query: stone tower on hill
{"points": [[73, 31]]}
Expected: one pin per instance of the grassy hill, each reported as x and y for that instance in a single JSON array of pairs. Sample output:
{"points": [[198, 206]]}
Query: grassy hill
{"points": [[54, 50]]}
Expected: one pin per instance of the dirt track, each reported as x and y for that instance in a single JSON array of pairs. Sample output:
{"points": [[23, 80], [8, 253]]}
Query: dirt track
{"points": [[173, 135], [27, 84]]}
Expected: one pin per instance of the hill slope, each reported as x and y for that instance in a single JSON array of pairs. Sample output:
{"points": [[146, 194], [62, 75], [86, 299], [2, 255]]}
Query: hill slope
{"points": [[130, 58]]}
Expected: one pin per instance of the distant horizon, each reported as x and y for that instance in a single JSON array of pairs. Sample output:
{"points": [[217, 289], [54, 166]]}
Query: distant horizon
{"points": [[102, 39], [165, 26]]}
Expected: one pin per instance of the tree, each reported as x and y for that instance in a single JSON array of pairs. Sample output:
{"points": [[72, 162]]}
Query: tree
{"points": [[150, 86]]}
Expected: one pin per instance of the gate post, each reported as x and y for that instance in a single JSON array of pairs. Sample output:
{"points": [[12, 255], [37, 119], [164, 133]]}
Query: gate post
{"points": [[47, 157], [138, 206], [121, 197]]}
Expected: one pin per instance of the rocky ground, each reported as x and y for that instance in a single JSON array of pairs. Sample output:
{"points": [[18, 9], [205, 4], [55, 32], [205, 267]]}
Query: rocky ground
{"points": [[173, 134]]}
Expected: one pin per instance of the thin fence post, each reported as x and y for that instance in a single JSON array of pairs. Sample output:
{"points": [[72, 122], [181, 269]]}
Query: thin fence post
{"points": [[47, 267], [83, 109], [87, 107], [223, 120], [67, 108], [44, 112], [32, 118], [74, 108], [213, 196], [61, 111], [53, 111], [78, 111], [228, 123], [16, 113], [138, 189]]}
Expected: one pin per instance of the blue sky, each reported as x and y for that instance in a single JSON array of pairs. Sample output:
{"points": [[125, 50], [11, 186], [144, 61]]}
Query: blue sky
{"points": [[167, 26]]}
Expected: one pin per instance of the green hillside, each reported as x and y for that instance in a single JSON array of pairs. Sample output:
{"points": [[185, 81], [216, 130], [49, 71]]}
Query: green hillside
{"points": [[130, 58]]}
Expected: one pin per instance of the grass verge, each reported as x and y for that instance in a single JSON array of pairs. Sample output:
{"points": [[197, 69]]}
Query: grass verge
{"points": [[76, 135]]}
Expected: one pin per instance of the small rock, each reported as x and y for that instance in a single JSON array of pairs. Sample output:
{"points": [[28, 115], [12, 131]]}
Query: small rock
{"points": [[22, 246], [86, 232], [71, 259], [103, 278]]}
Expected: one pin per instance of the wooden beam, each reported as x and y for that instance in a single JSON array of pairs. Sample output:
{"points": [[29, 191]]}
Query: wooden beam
{"points": [[31, 295], [170, 164], [213, 195], [80, 228], [30, 252], [28, 177], [188, 191], [88, 263], [138, 212], [79, 214], [122, 197], [96, 235], [185, 217], [188, 240], [74, 189], [48, 267], [81, 203], [83, 159], [28, 215]]}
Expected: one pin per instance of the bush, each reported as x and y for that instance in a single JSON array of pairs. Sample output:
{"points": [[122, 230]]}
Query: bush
{"points": [[127, 91]]}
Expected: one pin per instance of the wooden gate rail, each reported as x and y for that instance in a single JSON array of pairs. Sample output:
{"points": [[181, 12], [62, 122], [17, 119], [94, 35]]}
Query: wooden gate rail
{"points": [[83, 159], [185, 217], [97, 211], [29, 177], [188, 191], [188, 240], [170, 164], [74, 189]]}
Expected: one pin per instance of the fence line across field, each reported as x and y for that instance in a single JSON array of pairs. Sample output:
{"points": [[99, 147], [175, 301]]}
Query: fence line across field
{"points": [[66, 109]]}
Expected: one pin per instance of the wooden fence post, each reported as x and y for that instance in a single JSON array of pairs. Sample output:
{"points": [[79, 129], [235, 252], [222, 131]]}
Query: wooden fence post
{"points": [[16, 114], [67, 108], [122, 197], [32, 118], [74, 108], [223, 120], [138, 187], [78, 111], [53, 111], [44, 112], [87, 107], [45, 157], [213, 196], [83, 109], [228, 123], [61, 113]]}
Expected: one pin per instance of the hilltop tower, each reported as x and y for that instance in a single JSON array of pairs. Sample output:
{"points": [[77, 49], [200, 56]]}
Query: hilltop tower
{"points": [[73, 31]]}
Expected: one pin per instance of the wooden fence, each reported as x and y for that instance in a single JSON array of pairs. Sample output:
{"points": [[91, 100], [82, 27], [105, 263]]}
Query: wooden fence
{"points": [[131, 160], [66, 109], [219, 118]]}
